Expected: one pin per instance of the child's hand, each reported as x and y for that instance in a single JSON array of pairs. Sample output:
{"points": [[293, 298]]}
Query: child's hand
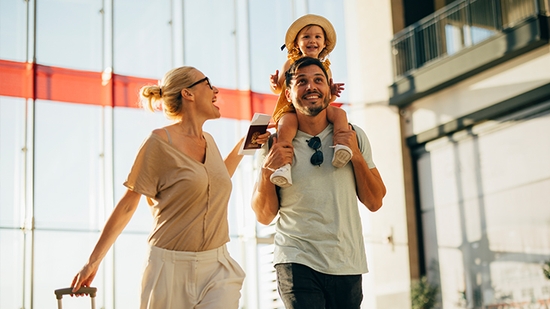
{"points": [[274, 80], [336, 89]]}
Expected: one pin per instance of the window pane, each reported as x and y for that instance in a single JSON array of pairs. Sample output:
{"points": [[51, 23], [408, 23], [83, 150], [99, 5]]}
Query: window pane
{"points": [[11, 268], [334, 12], [226, 133], [142, 38], [265, 47], [210, 40], [475, 240], [13, 30], [131, 127], [58, 258], [266, 55], [67, 165], [130, 257], [70, 40], [12, 123]]}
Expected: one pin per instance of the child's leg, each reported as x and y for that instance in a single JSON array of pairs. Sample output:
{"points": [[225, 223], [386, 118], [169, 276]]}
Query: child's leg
{"points": [[286, 130], [339, 119], [287, 127]]}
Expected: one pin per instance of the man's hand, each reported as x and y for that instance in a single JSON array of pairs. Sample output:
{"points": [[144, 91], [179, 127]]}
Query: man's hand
{"points": [[265, 201], [281, 153], [347, 138]]}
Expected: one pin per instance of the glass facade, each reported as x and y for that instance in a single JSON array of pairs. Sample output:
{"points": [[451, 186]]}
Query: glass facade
{"points": [[484, 220], [70, 129], [13, 30], [69, 40]]}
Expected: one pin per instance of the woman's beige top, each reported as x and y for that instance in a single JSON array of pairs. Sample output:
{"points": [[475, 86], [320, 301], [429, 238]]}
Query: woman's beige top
{"points": [[188, 199]]}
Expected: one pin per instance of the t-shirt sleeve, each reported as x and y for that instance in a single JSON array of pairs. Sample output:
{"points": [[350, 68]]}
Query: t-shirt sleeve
{"points": [[144, 177], [364, 146]]}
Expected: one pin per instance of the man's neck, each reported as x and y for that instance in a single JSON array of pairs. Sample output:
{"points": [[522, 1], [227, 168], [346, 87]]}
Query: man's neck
{"points": [[312, 125]]}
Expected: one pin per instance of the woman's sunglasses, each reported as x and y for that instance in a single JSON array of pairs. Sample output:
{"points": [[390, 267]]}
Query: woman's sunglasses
{"points": [[315, 144]]}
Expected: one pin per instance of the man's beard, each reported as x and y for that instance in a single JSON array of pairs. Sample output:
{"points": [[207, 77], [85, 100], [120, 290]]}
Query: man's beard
{"points": [[312, 110]]}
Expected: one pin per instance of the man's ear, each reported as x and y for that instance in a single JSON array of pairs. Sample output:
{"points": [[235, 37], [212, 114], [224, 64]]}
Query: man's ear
{"points": [[287, 95]]}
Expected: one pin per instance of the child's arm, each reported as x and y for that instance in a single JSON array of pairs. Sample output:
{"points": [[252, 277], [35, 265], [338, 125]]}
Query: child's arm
{"points": [[335, 91], [277, 80], [336, 88], [274, 82], [338, 118]]}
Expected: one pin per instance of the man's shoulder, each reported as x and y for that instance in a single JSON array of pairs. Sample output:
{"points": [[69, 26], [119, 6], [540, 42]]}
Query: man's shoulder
{"points": [[357, 129]]}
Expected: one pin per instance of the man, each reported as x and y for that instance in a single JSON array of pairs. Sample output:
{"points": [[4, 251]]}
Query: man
{"points": [[319, 251]]}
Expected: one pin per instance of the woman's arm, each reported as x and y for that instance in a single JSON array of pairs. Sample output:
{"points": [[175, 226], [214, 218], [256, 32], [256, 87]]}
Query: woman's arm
{"points": [[118, 220], [234, 158]]}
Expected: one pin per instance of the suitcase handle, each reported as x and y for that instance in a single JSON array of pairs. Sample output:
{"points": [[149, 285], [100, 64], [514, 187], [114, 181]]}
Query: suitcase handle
{"points": [[83, 290]]}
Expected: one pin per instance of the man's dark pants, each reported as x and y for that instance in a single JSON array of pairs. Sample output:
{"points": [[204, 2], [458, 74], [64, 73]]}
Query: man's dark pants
{"points": [[301, 287]]}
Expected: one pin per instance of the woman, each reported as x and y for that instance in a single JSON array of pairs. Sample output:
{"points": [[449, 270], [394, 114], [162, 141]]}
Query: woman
{"points": [[180, 171]]}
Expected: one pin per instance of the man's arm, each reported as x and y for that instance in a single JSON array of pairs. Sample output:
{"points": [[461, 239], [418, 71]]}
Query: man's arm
{"points": [[370, 186], [265, 201]]}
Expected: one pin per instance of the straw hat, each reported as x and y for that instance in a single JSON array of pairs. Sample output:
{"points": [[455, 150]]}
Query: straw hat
{"points": [[311, 19]]}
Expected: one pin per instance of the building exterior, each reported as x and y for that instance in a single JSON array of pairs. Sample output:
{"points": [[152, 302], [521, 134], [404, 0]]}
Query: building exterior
{"points": [[472, 84], [454, 96]]}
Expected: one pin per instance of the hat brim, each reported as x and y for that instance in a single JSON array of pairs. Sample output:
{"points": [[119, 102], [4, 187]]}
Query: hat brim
{"points": [[311, 19]]}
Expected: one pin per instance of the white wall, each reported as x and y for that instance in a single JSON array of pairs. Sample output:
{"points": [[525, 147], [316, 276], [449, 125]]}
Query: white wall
{"points": [[368, 35]]}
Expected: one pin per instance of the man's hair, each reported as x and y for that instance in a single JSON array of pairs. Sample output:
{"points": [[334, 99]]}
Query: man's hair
{"points": [[301, 63]]}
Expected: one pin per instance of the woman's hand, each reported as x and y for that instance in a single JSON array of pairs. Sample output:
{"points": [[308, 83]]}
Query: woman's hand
{"points": [[264, 137], [84, 278]]}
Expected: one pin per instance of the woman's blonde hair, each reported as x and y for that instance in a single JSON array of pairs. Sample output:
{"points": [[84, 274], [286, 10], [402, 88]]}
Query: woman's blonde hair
{"points": [[167, 95]]}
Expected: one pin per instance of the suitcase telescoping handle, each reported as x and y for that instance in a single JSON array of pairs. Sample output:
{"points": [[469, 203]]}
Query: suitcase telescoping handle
{"points": [[67, 291]]}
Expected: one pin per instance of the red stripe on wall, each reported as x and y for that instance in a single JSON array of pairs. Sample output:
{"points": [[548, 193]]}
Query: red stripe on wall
{"points": [[106, 89], [16, 79], [234, 104], [66, 85], [126, 90]]}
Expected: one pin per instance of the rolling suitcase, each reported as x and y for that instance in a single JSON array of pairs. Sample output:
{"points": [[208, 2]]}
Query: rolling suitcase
{"points": [[67, 291]]}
